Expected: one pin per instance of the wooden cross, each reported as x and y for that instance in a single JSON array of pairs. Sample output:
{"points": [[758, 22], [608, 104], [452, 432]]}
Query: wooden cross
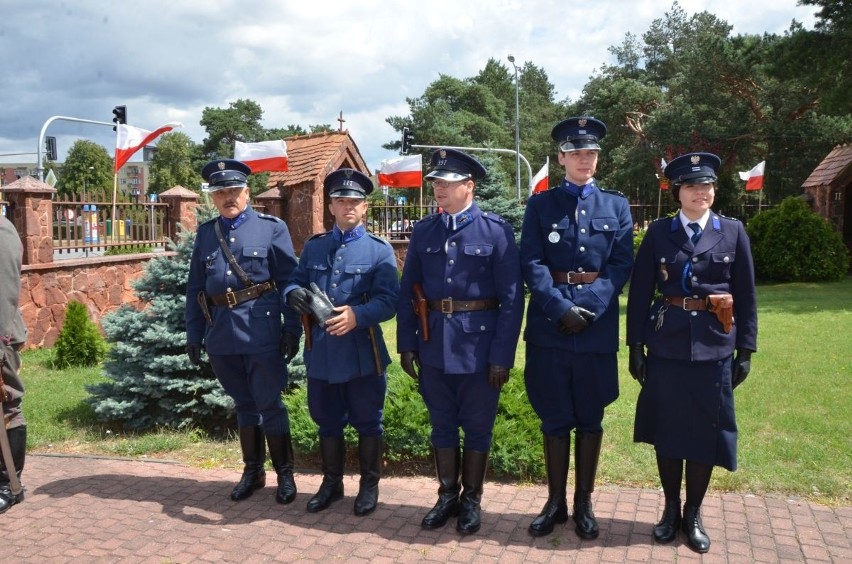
{"points": [[341, 120]]}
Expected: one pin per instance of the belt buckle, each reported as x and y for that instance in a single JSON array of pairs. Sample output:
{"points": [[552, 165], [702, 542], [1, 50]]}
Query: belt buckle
{"points": [[571, 274], [447, 305], [687, 300], [231, 298]]}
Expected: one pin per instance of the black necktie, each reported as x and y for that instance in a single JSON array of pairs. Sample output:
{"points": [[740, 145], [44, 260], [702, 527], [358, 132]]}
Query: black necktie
{"points": [[696, 235]]}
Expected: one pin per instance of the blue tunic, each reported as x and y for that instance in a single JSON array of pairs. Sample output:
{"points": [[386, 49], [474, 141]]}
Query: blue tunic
{"points": [[686, 407], [571, 378], [359, 272]]}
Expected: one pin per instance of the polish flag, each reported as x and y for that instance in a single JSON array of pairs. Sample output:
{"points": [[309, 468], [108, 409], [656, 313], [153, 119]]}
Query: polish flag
{"points": [[540, 180], [265, 156], [754, 177], [402, 172], [129, 139]]}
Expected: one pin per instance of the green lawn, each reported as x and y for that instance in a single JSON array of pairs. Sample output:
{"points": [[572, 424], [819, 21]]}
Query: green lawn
{"points": [[793, 411]]}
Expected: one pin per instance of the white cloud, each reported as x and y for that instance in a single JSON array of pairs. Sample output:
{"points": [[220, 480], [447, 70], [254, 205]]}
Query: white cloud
{"points": [[303, 62]]}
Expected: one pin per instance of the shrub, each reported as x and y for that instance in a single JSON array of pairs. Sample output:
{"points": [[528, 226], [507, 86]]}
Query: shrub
{"points": [[791, 243], [80, 343]]}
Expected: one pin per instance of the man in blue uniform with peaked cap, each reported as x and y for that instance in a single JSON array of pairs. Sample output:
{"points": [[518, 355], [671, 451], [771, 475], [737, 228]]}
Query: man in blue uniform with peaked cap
{"points": [[347, 280], [576, 255], [463, 274], [240, 265]]}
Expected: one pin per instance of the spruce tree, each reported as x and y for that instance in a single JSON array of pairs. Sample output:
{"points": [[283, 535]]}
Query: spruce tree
{"points": [[492, 194]]}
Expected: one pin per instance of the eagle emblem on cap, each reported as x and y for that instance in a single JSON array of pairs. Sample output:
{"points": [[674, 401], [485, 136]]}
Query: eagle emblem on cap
{"points": [[582, 122], [221, 165], [442, 153], [347, 173], [695, 159]]}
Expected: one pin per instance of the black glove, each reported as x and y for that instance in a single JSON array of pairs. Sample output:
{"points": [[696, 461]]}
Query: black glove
{"points": [[298, 299], [637, 366], [742, 366], [497, 376], [410, 362], [575, 320], [319, 305], [289, 346], [193, 351]]}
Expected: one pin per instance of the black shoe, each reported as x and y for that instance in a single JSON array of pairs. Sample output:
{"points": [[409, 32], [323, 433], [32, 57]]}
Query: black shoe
{"points": [[370, 461], [666, 530], [281, 453], [254, 455], [332, 450], [696, 537], [474, 463], [7, 499], [557, 452], [587, 452], [447, 464]]}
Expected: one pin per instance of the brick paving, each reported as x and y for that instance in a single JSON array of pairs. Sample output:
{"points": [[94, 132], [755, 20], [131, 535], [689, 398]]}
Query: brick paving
{"points": [[91, 509]]}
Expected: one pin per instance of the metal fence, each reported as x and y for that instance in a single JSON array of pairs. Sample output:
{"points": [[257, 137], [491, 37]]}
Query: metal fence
{"points": [[90, 226]]}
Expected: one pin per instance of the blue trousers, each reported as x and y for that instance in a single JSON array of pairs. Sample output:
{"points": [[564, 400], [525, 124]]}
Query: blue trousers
{"points": [[255, 383], [569, 390], [459, 400], [359, 402]]}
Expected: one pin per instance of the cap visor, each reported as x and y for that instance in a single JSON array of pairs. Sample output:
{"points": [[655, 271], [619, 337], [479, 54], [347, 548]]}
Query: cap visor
{"points": [[569, 146], [447, 175], [346, 193]]}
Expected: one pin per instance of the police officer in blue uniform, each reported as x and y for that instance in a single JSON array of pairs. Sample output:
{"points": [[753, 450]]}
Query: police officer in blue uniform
{"points": [[241, 263], [347, 360], [462, 271], [576, 255], [691, 304]]}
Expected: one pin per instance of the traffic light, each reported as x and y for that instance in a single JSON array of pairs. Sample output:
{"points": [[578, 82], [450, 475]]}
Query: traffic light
{"points": [[407, 140], [50, 148], [119, 115]]}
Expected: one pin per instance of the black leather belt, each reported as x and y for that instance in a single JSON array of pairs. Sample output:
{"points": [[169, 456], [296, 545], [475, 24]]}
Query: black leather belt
{"points": [[573, 277], [232, 299], [449, 305]]}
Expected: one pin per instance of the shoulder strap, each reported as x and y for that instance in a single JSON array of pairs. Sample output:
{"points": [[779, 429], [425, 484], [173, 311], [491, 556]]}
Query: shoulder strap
{"points": [[241, 274]]}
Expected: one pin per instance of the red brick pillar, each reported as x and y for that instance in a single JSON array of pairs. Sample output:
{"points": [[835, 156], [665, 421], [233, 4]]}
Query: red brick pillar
{"points": [[182, 205], [31, 207]]}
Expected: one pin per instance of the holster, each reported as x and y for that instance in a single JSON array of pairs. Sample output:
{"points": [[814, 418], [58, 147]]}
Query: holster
{"points": [[722, 305], [307, 322], [205, 307], [421, 309]]}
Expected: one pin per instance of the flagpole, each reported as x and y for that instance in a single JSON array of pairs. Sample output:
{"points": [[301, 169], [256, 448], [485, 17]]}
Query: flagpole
{"points": [[114, 191], [659, 197]]}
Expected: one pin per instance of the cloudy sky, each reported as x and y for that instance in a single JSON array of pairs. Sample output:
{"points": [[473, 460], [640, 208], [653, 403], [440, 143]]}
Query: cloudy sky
{"points": [[303, 61]]}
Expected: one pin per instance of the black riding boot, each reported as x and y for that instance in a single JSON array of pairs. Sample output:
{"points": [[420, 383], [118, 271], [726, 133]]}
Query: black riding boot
{"points": [[697, 481], [447, 463], [474, 463], [671, 475], [281, 453], [587, 453], [254, 456], [556, 459], [370, 460], [333, 450], [18, 446]]}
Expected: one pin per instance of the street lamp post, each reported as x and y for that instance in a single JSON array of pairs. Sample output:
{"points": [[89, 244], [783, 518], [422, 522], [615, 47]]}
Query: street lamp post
{"points": [[517, 130]]}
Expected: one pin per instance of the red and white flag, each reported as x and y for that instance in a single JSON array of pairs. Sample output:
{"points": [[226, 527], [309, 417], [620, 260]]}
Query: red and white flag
{"points": [[129, 139], [540, 181], [754, 177], [402, 172], [265, 156]]}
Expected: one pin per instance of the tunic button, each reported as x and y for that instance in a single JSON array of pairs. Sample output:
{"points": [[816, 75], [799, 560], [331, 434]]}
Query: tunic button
{"points": [[449, 316], [255, 253], [579, 286], [582, 212], [268, 313], [694, 259], [477, 251], [694, 297], [452, 262], [453, 244], [449, 280], [228, 290], [583, 230], [428, 249], [582, 249], [482, 327], [695, 278], [693, 313], [339, 258], [337, 271], [334, 285], [331, 298], [228, 273], [606, 226], [232, 239], [358, 271], [343, 246], [726, 259]]}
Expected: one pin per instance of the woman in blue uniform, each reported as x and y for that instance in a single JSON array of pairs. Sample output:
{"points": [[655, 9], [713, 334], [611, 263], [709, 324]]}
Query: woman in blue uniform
{"points": [[699, 265], [347, 360]]}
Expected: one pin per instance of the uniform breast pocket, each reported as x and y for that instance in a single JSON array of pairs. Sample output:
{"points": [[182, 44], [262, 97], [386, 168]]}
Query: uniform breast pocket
{"points": [[210, 261], [317, 272], [352, 278], [720, 265], [431, 257], [479, 255], [254, 260], [480, 322], [603, 230]]}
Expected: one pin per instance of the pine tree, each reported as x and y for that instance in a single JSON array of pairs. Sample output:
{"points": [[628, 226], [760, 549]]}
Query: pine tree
{"points": [[151, 381], [79, 343]]}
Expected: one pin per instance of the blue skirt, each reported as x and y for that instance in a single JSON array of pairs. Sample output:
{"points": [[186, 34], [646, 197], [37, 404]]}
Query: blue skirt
{"points": [[686, 410]]}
